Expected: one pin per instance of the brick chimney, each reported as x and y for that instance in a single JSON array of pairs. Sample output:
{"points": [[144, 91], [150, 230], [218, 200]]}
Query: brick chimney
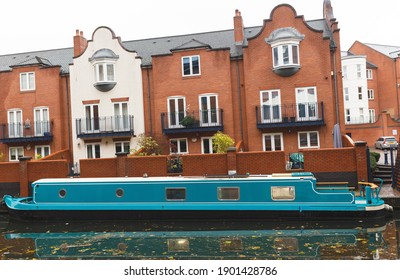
{"points": [[328, 11], [238, 27], [80, 43]]}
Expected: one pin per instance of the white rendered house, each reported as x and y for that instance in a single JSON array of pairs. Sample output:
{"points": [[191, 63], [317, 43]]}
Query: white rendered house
{"points": [[106, 97], [355, 89]]}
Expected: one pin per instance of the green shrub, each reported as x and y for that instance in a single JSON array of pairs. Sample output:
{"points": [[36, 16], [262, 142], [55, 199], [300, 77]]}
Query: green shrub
{"points": [[375, 155], [221, 142], [372, 162]]}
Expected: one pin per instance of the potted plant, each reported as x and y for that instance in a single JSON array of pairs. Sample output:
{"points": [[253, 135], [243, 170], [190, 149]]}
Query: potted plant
{"points": [[188, 121]]}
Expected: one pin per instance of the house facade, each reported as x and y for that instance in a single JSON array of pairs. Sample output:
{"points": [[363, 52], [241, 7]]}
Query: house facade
{"points": [[106, 96], [271, 87], [376, 75], [34, 105]]}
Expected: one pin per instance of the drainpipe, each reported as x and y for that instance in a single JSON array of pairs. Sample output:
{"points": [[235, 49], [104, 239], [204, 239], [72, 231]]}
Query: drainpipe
{"points": [[149, 100], [335, 90], [69, 116], [397, 87], [240, 100]]}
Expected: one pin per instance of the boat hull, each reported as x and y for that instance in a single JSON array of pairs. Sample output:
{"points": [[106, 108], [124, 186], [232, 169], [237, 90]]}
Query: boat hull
{"points": [[195, 215]]}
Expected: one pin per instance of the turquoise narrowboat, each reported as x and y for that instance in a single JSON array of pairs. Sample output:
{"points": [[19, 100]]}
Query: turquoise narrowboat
{"points": [[276, 196]]}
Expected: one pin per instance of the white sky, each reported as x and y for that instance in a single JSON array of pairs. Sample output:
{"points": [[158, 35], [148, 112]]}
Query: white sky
{"points": [[27, 25]]}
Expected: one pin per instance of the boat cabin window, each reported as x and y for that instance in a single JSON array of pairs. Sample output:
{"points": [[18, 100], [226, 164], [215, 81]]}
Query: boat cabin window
{"points": [[282, 193], [228, 193], [175, 193], [62, 193]]}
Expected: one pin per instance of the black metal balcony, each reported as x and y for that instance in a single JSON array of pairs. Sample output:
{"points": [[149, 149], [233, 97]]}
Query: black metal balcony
{"points": [[192, 122], [290, 115], [105, 127], [25, 132]]}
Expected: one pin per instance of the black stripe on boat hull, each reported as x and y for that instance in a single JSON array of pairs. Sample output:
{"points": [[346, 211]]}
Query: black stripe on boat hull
{"points": [[195, 214]]}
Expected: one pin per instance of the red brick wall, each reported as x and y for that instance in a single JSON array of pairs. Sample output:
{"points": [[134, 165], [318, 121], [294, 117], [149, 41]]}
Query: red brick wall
{"points": [[104, 167], [330, 160], [199, 165], [152, 166], [9, 172], [40, 169], [261, 162]]}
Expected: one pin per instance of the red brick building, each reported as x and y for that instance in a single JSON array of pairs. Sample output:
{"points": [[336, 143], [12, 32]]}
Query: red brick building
{"points": [[270, 87], [383, 81], [34, 106]]}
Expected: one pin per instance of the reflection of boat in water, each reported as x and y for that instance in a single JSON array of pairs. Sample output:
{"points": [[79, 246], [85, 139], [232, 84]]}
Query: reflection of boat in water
{"points": [[291, 195], [289, 241]]}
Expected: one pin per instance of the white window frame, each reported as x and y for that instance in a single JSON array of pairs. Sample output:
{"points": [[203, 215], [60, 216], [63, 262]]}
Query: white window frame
{"points": [[19, 152], [369, 74], [278, 50], [178, 115], [371, 94], [273, 145], [346, 94], [15, 126], [211, 116], [178, 146], [121, 116], [361, 115], [359, 73], [104, 77], [93, 148], [191, 70], [360, 93], [311, 104], [43, 152], [271, 103], [209, 144], [371, 115], [308, 134], [344, 73], [348, 115], [30, 83], [122, 144], [41, 120]]}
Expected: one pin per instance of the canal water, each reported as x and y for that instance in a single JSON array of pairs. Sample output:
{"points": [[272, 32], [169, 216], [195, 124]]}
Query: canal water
{"points": [[208, 240]]}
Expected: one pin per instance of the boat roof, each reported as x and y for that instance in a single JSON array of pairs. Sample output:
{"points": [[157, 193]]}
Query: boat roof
{"points": [[276, 176]]}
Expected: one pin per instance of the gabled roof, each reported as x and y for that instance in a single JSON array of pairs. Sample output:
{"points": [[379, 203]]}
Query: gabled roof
{"points": [[146, 48], [390, 51]]}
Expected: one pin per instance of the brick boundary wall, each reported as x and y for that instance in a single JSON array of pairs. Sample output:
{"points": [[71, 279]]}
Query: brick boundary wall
{"points": [[326, 164]]}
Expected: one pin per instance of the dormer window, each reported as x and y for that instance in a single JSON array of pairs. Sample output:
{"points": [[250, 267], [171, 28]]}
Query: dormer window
{"points": [[285, 44], [191, 65], [285, 55], [104, 72], [104, 61], [27, 81]]}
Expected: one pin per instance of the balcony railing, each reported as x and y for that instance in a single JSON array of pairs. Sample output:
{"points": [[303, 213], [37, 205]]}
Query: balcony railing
{"points": [[193, 121], [290, 115], [25, 132], [105, 126]]}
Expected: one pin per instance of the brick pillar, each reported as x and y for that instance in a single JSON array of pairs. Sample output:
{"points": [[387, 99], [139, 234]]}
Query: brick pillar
{"points": [[23, 176], [231, 160], [121, 164], [361, 160]]}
